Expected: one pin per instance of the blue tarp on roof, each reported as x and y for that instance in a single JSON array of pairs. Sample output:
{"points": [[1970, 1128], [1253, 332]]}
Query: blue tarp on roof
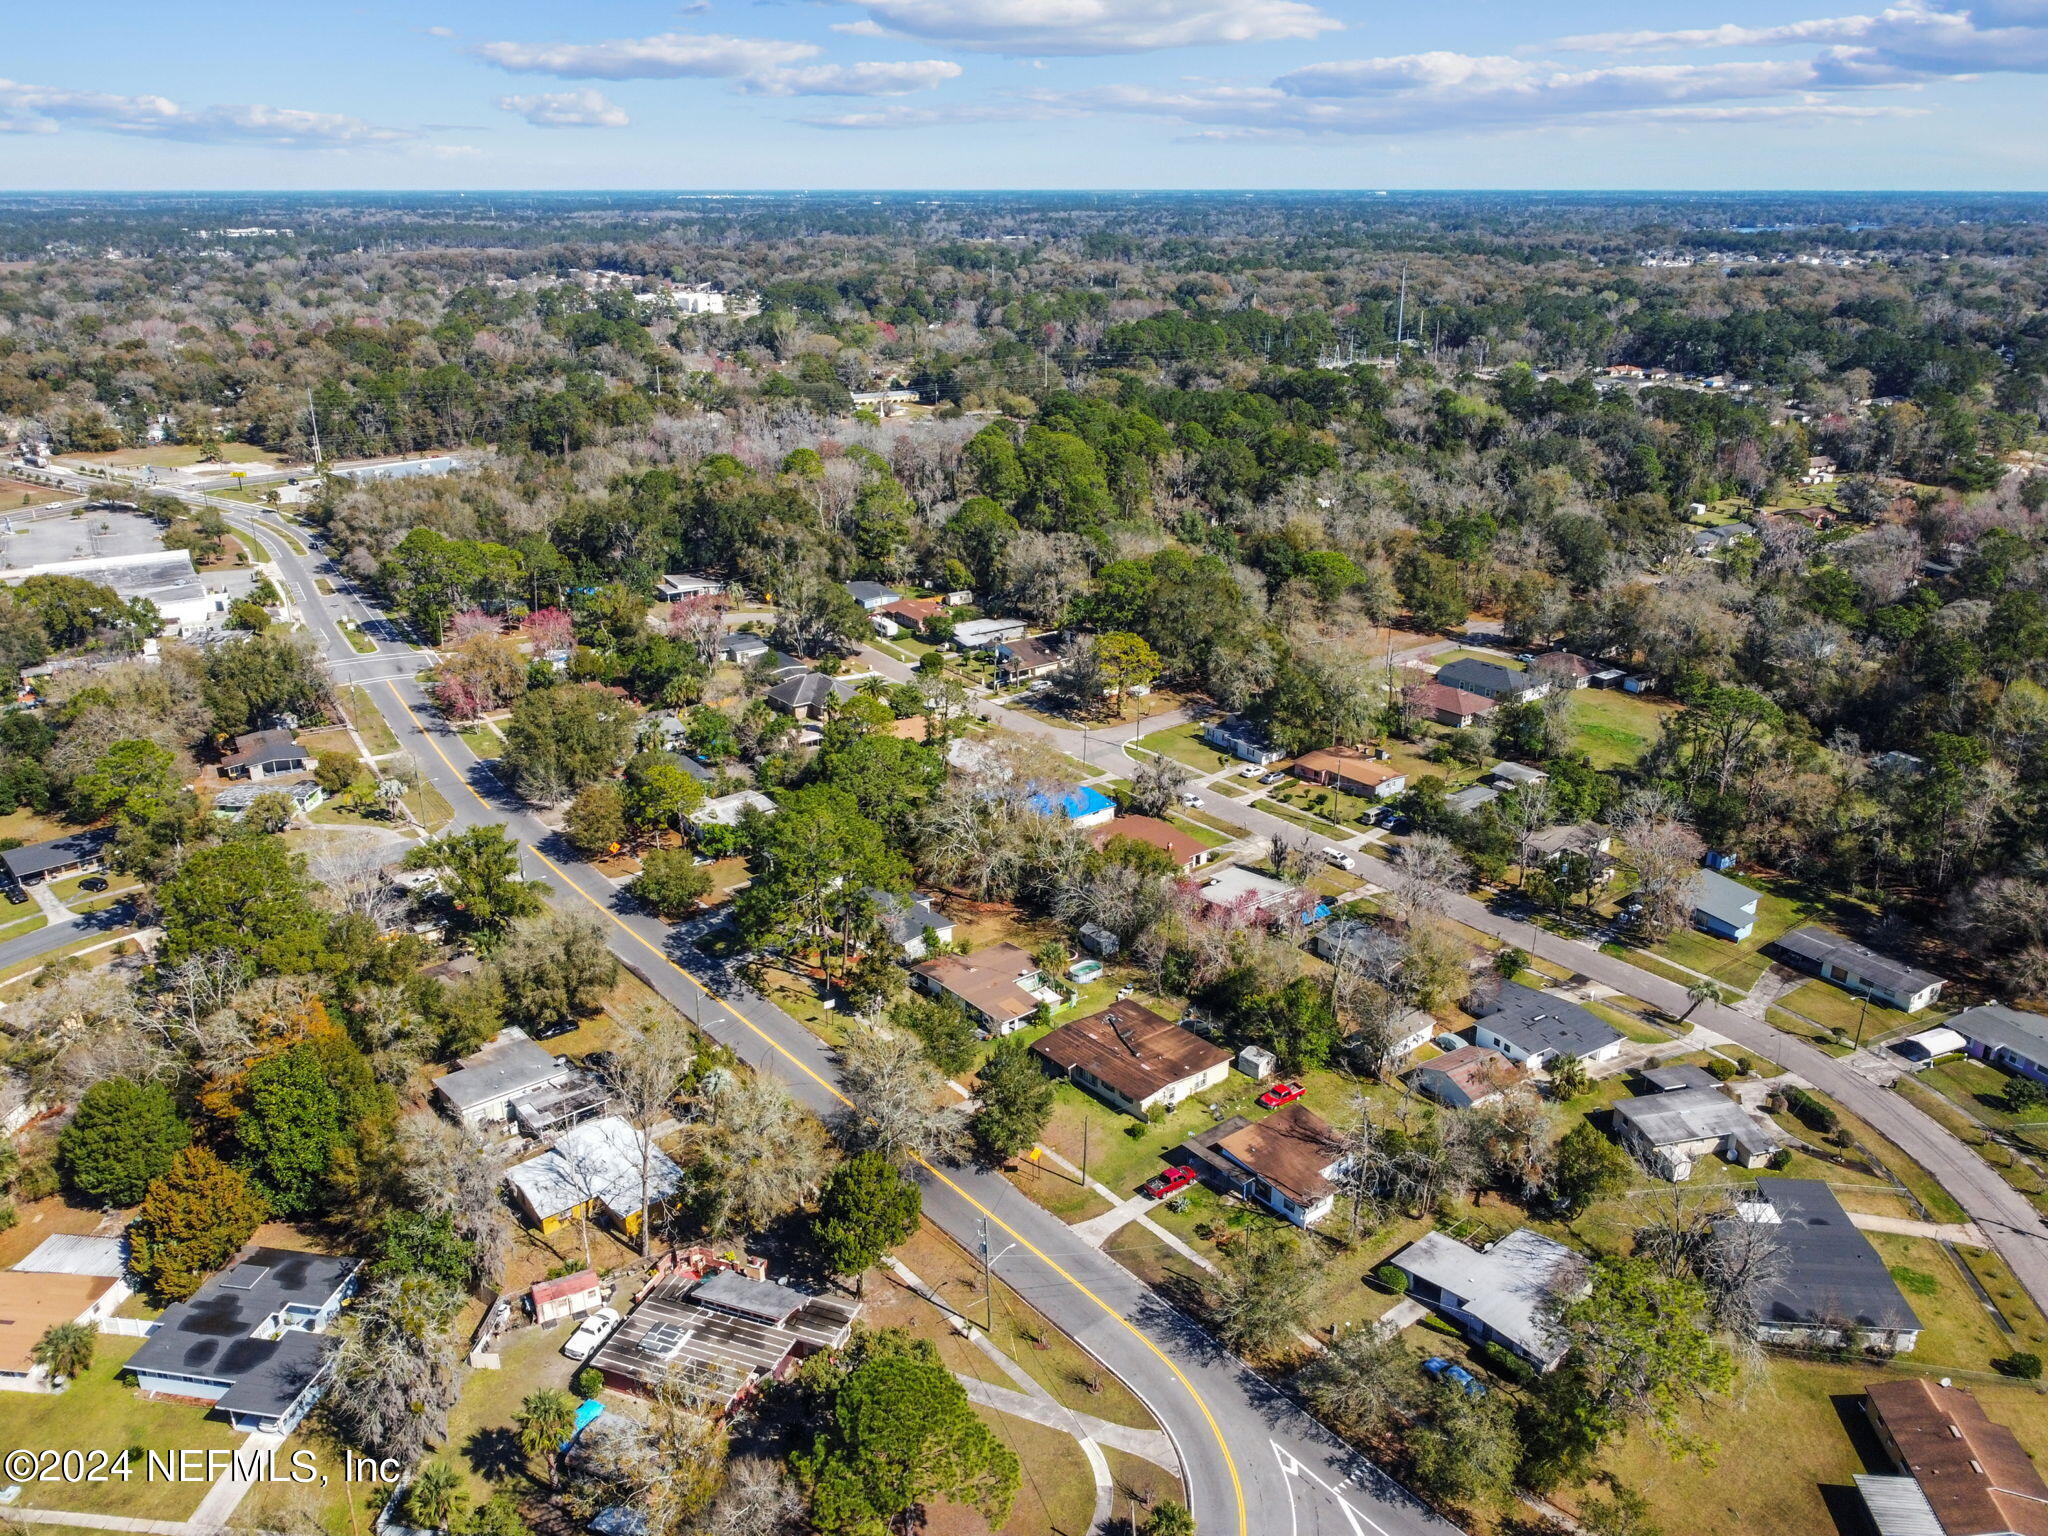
{"points": [[1082, 802]]}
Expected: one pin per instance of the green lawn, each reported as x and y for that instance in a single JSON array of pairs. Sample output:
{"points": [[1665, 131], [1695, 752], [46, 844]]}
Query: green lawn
{"points": [[101, 1412], [1957, 1333], [1827, 1004], [483, 741], [358, 641], [1980, 1090], [26, 925], [1184, 744], [1615, 729], [368, 720]]}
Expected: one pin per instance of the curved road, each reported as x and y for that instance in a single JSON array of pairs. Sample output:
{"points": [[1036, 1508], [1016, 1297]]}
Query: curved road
{"points": [[1253, 1462]]}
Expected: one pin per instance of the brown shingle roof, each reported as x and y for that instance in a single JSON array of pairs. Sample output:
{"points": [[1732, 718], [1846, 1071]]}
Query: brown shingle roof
{"points": [[913, 610], [32, 1304], [986, 980], [262, 747], [1478, 1070], [1976, 1477], [1442, 697], [1346, 763], [1289, 1150], [1131, 1049], [1180, 847]]}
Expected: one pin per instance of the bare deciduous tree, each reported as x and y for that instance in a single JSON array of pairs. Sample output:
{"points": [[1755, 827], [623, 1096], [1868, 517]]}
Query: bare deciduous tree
{"points": [[901, 1105], [646, 1074]]}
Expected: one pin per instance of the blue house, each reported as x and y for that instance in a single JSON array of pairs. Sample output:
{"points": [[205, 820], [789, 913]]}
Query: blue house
{"points": [[1084, 807], [1725, 908]]}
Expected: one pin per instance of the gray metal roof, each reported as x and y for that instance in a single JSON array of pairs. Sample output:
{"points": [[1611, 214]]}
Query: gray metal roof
{"points": [[106, 1257], [57, 853], [762, 1299], [1819, 947], [1516, 773], [1468, 800], [498, 1071], [1692, 1114], [1897, 1507], [872, 592], [1539, 1021], [1994, 1024], [1832, 1274], [1670, 1079]]}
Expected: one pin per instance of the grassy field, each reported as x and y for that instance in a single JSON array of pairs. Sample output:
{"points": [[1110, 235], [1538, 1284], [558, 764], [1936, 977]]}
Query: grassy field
{"points": [[1184, 744], [1828, 1005], [1615, 729], [483, 741], [181, 456], [16, 494], [100, 1412], [368, 720]]}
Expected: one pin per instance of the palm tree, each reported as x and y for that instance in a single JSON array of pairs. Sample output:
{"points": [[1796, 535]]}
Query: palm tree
{"points": [[546, 1419], [436, 1498], [1701, 991], [1569, 1077], [66, 1349]]}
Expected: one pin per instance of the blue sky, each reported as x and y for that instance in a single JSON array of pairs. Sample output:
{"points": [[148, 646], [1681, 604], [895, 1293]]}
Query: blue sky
{"points": [[1942, 94]]}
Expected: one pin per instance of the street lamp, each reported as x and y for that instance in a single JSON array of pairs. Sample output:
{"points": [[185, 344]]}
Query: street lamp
{"points": [[988, 1264]]}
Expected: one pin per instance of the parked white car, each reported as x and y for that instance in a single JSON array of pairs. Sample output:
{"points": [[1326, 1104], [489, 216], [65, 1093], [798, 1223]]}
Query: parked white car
{"points": [[1250, 771], [1340, 858], [596, 1328], [1189, 797]]}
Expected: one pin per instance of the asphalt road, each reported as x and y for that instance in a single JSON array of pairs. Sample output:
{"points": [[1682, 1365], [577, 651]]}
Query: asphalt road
{"points": [[1252, 1461]]}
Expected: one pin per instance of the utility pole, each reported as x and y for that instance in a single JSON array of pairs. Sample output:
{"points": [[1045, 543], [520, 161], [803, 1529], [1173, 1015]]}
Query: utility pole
{"points": [[988, 1264], [1401, 309], [313, 415]]}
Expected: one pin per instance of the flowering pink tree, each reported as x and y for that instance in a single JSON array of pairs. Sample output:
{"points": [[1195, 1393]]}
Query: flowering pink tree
{"points": [[470, 623], [459, 697], [549, 629]]}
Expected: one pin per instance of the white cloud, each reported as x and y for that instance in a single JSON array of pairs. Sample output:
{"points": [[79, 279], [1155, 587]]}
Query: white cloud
{"points": [[965, 114], [567, 109], [46, 109], [853, 79], [669, 56], [1912, 41], [1072, 27]]}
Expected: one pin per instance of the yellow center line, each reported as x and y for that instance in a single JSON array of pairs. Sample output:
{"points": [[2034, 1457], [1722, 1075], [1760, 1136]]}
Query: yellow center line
{"points": [[1229, 1462]]}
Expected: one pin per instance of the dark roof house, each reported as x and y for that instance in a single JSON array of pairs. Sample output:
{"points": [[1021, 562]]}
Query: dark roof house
{"points": [[1857, 968], [1524, 1024], [1835, 1287], [252, 1340], [75, 852], [1489, 679]]}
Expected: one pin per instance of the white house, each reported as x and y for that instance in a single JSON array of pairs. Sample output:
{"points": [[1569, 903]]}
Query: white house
{"points": [[1855, 968], [1534, 1027], [983, 634]]}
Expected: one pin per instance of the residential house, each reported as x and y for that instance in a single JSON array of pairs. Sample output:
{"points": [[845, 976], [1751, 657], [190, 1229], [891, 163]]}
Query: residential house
{"points": [[1237, 894], [1835, 1289], [1133, 1059], [594, 1170], [1489, 679], [911, 613], [1564, 671], [1350, 770], [2006, 1037], [546, 1112], [1000, 987], [1961, 1473], [1526, 1025], [32, 1303], [1358, 947], [680, 588], [1031, 656], [1585, 839], [1241, 739], [253, 1340], [808, 695], [1288, 1162], [482, 1089], [741, 647], [1187, 852], [1455, 707], [1723, 907], [1465, 801], [78, 853], [1855, 968], [1669, 1131], [985, 634], [1083, 806], [911, 921], [265, 755], [718, 1323], [872, 595], [1671, 1079], [1708, 543], [570, 1296], [1502, 1294], [305, 796], [1506, 776], [730, 810], [1472, 1074], [1820, 470]]}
